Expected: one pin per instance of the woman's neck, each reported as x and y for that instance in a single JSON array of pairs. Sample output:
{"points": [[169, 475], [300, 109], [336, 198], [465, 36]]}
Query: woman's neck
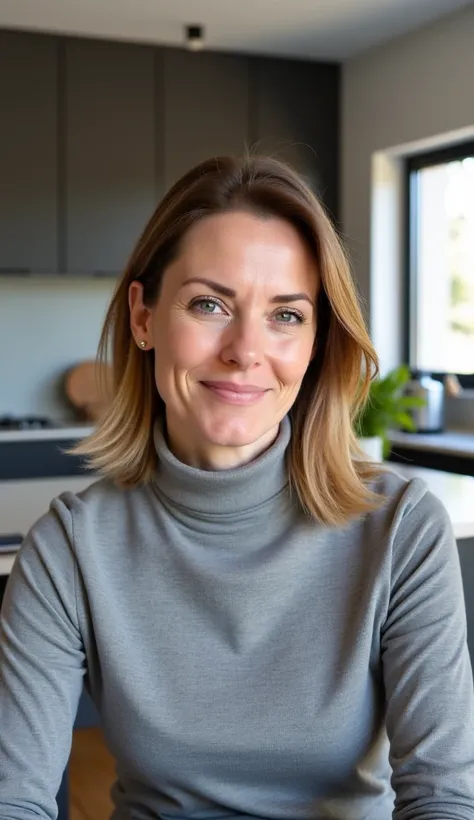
{"points": [[214, 457]]}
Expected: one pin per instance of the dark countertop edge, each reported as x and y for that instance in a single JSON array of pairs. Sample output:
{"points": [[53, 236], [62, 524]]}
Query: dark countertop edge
{"points": [[432, 443], [39, 458]]}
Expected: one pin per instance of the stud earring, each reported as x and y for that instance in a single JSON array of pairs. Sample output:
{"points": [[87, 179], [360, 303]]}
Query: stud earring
{"points": [[142, 344]]}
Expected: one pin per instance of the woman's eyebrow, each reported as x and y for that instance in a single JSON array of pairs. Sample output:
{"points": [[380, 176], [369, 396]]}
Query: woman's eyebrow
{"points": [[231, 294], [292, 297]]}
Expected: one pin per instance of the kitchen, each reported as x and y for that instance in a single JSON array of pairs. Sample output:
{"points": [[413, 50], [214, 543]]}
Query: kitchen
{"points": [[114, 117]]}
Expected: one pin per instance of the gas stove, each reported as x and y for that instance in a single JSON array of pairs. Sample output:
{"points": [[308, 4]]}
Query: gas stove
{"points": [[26, 423]]}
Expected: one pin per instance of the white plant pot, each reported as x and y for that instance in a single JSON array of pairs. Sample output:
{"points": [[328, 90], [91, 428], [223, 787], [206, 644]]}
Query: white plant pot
{"points": [[372, 447]]}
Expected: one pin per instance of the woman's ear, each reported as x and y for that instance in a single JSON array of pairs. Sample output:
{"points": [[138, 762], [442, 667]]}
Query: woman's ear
{"points": [[140, 316]]}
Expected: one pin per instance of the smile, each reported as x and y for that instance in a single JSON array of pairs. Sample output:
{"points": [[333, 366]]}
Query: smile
{"points": [[235, 393]]}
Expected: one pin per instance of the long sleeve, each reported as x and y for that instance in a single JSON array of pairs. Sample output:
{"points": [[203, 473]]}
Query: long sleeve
{"points": [[41, 669], [427, 671]]}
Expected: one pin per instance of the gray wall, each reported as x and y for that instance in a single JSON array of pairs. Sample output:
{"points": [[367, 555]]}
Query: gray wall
{"points": [[411, 90], [46, 326]]}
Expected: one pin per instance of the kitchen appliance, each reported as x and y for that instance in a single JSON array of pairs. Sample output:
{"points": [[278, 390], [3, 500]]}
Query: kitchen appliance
{"points": [[26, 423], [430, 417]]}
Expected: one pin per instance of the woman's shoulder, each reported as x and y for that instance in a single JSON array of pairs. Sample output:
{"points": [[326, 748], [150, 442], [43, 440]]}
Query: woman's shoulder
{"points": [[101, 501], [100, 510], [409, 507], [98, 491], [86, 529], [406, 493]]}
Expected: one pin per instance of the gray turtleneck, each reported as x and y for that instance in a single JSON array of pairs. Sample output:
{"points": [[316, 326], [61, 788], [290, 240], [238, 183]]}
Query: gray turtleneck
{"points": [[246, 663]]}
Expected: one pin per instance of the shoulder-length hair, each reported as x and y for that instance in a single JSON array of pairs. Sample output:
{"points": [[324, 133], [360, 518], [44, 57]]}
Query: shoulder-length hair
{"points": [[326, 470]]}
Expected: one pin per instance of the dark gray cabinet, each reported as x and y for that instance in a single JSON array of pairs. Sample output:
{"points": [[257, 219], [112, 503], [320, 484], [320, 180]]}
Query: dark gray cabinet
{"points": [[28, 153], [295, 117], [109, 152], [206, 108], [93, 133]]}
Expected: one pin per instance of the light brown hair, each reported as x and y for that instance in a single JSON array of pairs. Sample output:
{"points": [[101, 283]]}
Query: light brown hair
{"points": [[325, 468]]}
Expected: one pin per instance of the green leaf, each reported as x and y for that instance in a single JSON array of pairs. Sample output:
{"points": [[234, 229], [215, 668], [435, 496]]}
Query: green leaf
{"points": [[404, 420], [412, 401], [387, 406]]}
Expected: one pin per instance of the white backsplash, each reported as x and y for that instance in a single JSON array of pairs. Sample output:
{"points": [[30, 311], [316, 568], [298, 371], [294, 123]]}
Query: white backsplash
{"points": [[47, 325]]}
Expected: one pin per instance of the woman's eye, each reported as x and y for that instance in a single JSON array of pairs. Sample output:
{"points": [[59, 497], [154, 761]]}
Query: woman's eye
{"points": [[208, 306], [289, 317]]}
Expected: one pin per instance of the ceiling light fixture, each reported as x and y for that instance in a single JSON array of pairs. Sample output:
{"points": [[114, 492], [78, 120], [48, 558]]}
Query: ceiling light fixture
{"points": [[194, 37]]}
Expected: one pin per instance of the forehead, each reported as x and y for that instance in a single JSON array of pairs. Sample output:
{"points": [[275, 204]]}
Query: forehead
{"points": [[241, 247]]}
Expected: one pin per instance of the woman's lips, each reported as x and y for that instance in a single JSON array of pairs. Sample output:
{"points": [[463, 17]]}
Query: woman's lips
{"points": [[243, 394]]}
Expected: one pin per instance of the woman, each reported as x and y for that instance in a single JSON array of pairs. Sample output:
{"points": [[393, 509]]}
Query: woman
{"points": [[269, 627]]}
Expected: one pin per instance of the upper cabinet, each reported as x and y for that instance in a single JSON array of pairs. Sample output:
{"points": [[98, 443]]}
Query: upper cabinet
{"points": [[110, 152], [93, 133], [205, 108], [296, 108], [28, 153]]}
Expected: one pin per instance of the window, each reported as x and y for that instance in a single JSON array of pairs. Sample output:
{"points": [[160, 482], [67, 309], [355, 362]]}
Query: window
{"points": [[440, 282]]}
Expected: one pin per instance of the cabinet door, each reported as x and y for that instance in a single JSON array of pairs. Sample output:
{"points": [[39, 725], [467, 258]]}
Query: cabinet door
{"points": [[206, 110], [28, 153], [110, 152], [296, 108]]}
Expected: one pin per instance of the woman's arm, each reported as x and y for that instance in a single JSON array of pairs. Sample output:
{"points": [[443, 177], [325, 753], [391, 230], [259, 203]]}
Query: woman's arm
{"points": [[427, 670], [41, 669]]}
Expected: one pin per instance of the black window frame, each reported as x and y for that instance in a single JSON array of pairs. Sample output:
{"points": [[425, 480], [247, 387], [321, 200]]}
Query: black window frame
{"points": [[413, 164]]}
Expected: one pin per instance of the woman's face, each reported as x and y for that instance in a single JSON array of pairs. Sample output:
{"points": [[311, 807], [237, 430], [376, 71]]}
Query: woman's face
{"points": [[233, 331]]}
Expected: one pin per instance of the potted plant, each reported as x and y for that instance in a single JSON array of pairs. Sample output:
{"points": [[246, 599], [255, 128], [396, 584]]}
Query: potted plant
{"points": [[386, 408]]}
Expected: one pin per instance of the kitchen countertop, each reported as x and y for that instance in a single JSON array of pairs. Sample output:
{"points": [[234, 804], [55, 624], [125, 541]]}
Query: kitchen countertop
{"points": [[59, 433], [22, 502], [451, 442]]}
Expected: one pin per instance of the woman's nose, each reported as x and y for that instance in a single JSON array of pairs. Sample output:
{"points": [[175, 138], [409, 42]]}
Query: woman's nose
{"points": [[243, 344]]}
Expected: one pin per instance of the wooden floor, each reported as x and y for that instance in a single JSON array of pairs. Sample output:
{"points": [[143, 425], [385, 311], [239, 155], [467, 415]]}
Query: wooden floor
{"points": [[91, 774]]}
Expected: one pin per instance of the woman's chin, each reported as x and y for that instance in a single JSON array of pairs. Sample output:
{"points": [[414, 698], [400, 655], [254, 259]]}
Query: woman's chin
{"points": [[236, 434], [220, 441], [229, 438]]}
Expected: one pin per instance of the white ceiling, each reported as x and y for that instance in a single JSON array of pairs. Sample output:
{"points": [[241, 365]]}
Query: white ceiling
{"points": [[320, 29]]}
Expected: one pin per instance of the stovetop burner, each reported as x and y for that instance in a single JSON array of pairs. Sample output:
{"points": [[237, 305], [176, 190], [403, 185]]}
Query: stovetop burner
{"points": [[25, 423]]}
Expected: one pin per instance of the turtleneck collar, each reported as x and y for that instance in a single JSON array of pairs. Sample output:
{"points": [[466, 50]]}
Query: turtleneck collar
{"points": [[223, 491]]}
